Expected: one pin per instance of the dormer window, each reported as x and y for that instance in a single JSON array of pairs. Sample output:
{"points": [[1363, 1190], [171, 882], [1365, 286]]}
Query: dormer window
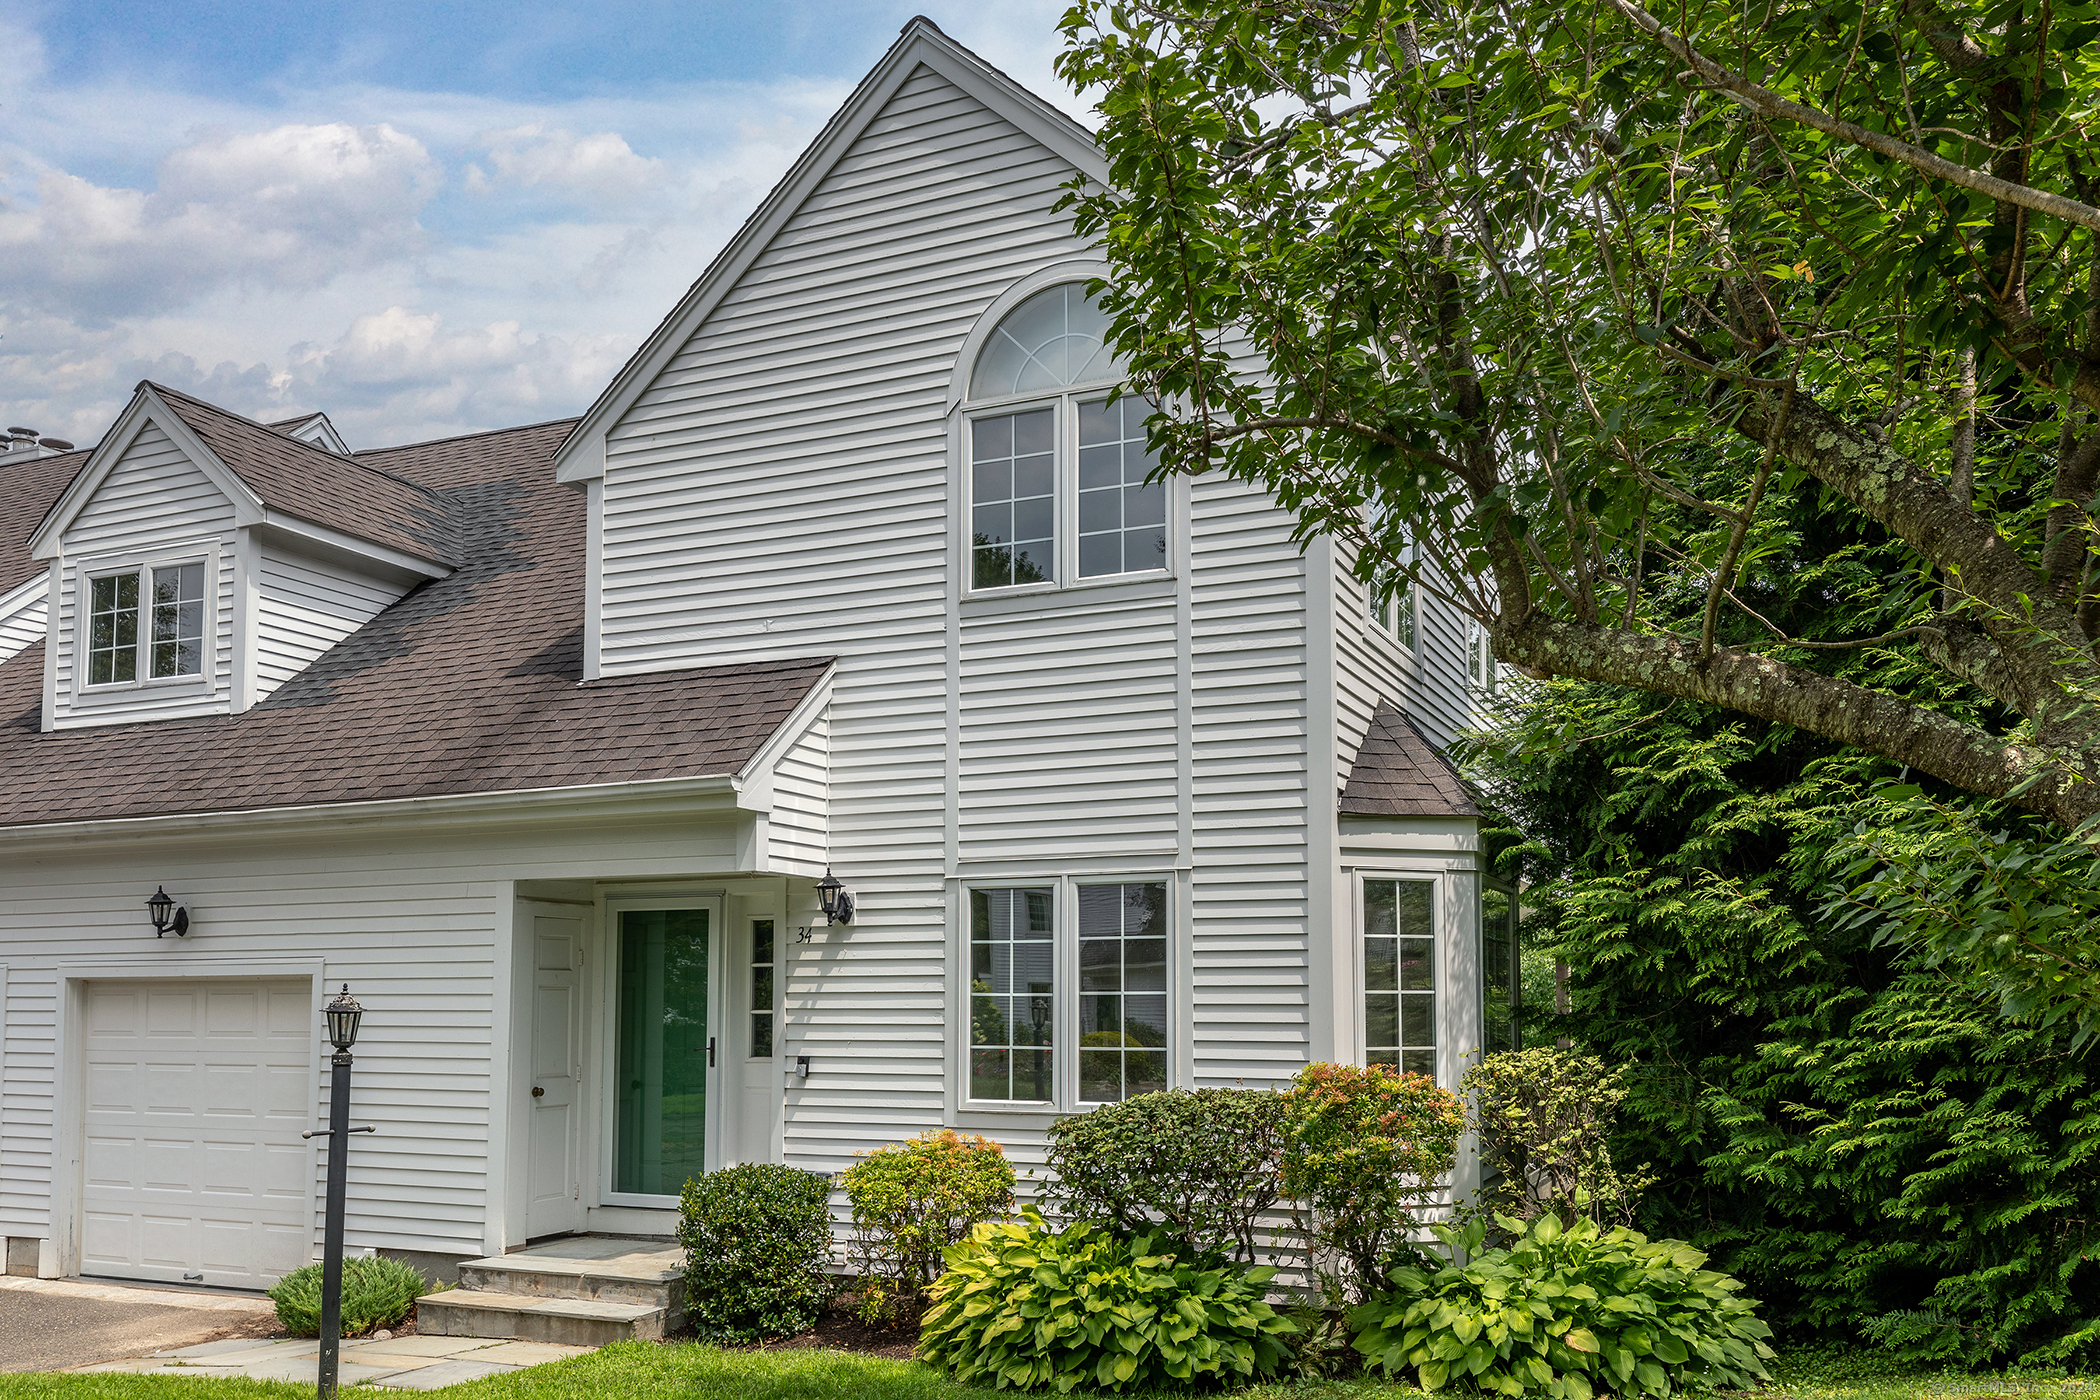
{"points": [[171, 641], [1056, 471]]}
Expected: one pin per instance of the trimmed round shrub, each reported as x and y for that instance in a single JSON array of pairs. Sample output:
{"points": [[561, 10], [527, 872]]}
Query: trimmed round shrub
{"points": [[1027, 1307], [376, 1293], [1567, 1312], [1365, 1148], [911, 1201], [1198, 1165], [757, 1238]]}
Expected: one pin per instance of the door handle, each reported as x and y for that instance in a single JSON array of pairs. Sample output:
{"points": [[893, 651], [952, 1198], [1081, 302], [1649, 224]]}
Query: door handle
{"points": [[710, 1052], [538, 1092]]}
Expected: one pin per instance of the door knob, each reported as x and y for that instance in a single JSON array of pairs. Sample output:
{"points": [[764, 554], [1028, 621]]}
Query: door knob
{"points": [[538, 1092]]}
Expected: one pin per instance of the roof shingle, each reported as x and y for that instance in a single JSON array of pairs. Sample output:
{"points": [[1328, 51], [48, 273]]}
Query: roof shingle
{"points": [[469, 684], [1399, 773]]}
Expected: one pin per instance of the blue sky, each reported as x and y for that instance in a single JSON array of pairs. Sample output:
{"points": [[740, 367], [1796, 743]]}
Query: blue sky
{"points": [[422, 218]]}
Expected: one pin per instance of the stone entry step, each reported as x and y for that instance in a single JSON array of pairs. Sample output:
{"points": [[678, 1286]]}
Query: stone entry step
{"points": [[582, 1291]]}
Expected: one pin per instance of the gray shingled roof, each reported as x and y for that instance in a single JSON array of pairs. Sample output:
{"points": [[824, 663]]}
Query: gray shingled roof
{"points": [[1398, 773], [469, 684], [27, 490], [354, 495]]}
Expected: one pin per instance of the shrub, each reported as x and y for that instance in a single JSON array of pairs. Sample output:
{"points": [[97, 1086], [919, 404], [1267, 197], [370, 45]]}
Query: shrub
{"points": [[1545, 1118], [376, 1293], [1028, 1307], [1199, 1165], [756, 1240], [911, 1201], [1566, 1312], [1364, 1148]]}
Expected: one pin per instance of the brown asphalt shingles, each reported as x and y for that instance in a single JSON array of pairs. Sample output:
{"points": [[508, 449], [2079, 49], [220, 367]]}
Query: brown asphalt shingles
{"points": [[1398, 773], [355, 495], [469, 684], [27, 490]]}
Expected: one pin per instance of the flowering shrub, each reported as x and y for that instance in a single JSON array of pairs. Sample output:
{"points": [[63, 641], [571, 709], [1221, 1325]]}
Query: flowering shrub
{"points": [[911, 1201], [1364, 1148], [1545, 1117]]}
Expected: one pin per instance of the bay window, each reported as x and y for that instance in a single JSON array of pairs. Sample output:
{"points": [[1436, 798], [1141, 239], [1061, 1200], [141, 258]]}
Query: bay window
{"points": [[1400, 974]]}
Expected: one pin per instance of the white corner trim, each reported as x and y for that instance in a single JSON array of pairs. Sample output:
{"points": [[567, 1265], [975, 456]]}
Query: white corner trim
{"points": [[581, 456]]}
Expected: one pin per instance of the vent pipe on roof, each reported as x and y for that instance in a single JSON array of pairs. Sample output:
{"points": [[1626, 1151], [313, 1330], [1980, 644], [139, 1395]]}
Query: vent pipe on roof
{"points": [[23, 445]]}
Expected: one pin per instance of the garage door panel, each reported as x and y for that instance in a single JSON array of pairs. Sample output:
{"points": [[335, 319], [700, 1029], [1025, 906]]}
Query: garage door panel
{"points": [[198, 1093]]}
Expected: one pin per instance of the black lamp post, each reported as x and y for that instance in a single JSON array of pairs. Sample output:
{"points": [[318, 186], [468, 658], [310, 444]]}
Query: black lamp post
{"points": [[342, 1015], [838, 905]]}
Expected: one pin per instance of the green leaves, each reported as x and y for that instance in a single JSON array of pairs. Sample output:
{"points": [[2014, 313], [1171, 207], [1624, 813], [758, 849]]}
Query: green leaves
{"points": [[1026, 1307], [1566, 1312], [757, 1240], [377, 1292], [911, 1201]]}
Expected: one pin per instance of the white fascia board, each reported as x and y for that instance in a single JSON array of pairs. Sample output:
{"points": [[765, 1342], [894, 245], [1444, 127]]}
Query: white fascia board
{"points": [[754, 781], [648, 797], [30, 592], [581, 456], [145, 407], [377, 557]]}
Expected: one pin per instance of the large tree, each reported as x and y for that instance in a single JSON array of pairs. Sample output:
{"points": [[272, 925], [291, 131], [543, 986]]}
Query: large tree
{"points": [[1480, 289]]}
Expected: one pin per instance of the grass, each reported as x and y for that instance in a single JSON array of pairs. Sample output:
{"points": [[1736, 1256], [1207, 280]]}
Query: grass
{"points": [[645, 1371]]}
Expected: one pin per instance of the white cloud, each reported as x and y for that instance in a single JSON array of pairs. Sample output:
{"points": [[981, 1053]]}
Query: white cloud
{"points": [[288, 207], [597, 167]]}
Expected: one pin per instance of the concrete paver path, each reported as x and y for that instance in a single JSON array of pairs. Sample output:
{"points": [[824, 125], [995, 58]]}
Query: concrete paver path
{"points": [[404, 1363]]}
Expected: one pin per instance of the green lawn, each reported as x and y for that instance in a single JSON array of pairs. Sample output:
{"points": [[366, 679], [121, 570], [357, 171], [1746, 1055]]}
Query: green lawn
{"points": [[643, 1371]]}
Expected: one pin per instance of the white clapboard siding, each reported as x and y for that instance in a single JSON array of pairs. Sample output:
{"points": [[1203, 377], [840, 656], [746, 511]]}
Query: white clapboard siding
{"points": [[1253, 758], [304, 606], [410, 922], [781, 489], [153, 500], [1428, 680], [799, 829], [23, 625], [1070, 735]]}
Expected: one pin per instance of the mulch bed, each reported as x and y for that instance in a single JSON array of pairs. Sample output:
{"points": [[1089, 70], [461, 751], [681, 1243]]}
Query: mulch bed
{"points": [[840, 1329]]}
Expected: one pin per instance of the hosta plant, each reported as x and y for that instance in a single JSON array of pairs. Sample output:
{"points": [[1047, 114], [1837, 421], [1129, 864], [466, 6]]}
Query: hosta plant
{"points": [[1027, 1307], [1567, 1312]]}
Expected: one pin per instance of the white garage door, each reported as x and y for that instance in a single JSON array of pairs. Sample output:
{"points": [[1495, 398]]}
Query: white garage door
{"points": [[196, 1096]]}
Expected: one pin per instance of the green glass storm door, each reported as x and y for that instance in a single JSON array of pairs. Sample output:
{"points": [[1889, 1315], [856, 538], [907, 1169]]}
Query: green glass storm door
{"points": [[660, 1135]]}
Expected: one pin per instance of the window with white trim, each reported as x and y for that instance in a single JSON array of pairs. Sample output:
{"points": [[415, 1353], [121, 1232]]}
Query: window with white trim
{"points": [[1122, 990], [1069, 988], [1056, 471], [1395, 603], [145, 622], [1013, 994], [1400, 974]]}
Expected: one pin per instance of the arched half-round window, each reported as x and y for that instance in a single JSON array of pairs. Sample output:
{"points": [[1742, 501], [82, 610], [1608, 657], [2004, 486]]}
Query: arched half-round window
{"points": [[1056, 472]]}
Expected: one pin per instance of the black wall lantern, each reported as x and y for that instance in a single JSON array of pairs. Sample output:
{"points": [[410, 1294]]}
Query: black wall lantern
{"points": [[838, 905], [168, 916]]}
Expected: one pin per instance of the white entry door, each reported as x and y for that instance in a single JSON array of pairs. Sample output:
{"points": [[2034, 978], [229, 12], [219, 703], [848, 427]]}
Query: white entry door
{"points": [[556, 1117], [196, 1092]]}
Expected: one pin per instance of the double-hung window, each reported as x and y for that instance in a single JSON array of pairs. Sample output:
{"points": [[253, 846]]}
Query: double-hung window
{"points": [[1056, 471], [145, 623], [1400, 974], [1068, 991], [1395, 603]]}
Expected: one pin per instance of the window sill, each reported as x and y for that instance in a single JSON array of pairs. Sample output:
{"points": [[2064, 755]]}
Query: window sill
{"points": [[1107, 593], [125, 691]]}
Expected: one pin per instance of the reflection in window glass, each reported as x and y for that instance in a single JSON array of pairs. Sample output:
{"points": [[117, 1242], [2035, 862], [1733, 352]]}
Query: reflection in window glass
{"points": [[660, 1119], [1122, 991], [1013, 500], [1054, 338], [1013, 1005], [761, 988], [178, 620], [113, 629], [1400, 975], [1122, 521], [1501, 976]]}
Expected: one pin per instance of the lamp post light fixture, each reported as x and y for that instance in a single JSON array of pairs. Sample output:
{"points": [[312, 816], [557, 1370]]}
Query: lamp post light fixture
{"points": [[168, 916], [342, 1015], [838, 904]]}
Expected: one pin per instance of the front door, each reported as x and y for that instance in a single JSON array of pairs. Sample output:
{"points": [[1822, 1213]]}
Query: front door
{"points": [[555, 1120], [665, 1048]]}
